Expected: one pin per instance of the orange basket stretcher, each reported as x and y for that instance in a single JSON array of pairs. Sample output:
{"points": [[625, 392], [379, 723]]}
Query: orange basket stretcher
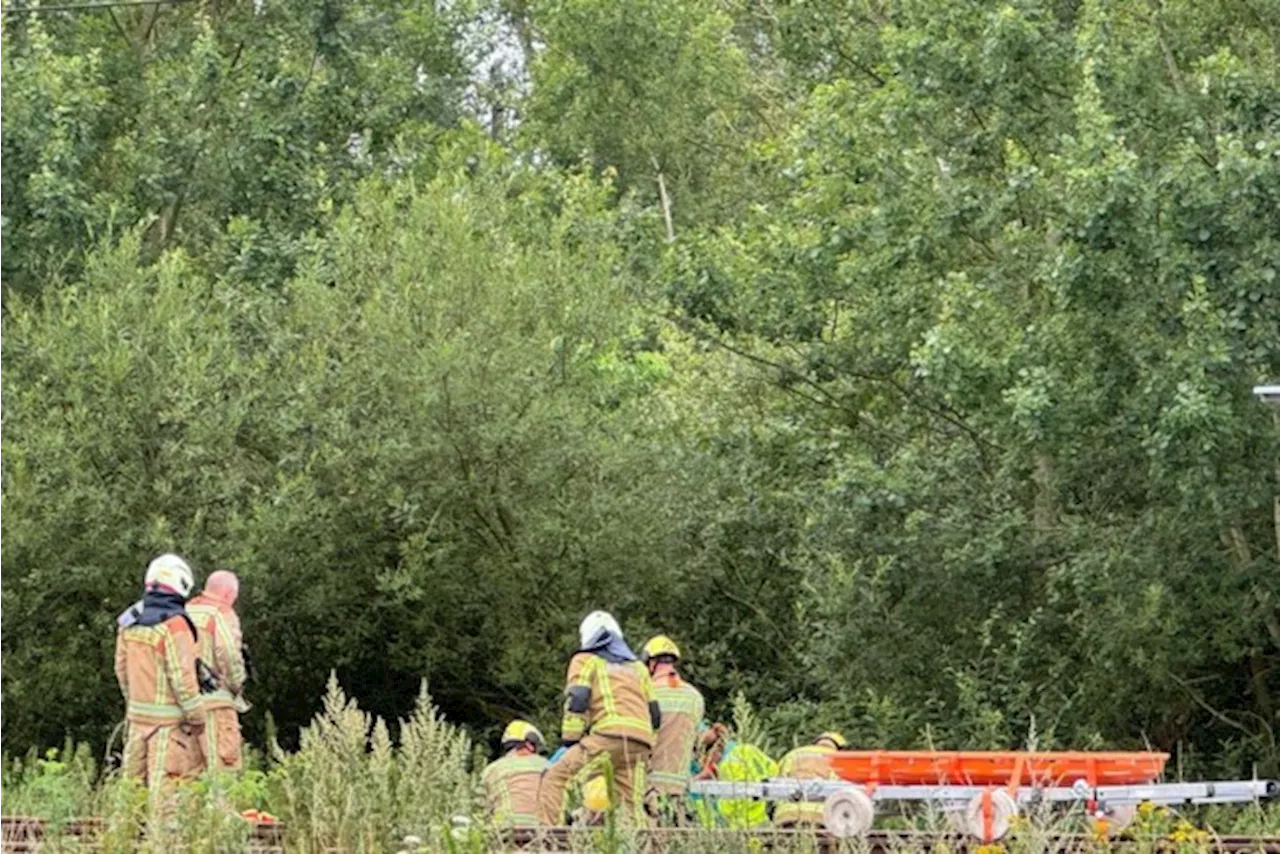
{"points": [[1007, 768]]}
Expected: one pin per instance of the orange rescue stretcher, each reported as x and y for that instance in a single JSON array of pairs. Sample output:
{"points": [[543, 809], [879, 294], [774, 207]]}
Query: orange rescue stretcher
{"points": [[1007, 768], [982, 792]]}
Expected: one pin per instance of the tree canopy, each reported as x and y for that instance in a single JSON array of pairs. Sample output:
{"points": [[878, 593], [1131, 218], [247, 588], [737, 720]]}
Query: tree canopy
{"points": [[893, 356]]}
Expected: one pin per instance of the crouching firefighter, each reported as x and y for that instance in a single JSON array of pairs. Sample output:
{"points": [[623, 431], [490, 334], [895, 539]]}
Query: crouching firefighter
{"points": [[156, 668], [810, 762], [511, 782], [221, 650], [610, 720]]}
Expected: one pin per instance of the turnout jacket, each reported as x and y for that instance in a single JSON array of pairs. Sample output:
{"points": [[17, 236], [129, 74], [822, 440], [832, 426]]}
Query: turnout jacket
{"points": [[218, 626], [607, 699], [682, 711], [811, 762], [511, 789], [156, 669]]}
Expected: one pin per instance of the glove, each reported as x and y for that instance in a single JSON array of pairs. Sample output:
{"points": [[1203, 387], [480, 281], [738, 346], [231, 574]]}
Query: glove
{"points": [[561, 751]]}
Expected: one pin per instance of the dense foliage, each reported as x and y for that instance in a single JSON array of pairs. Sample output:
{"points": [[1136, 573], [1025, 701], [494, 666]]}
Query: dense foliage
{"points": [[892, 355]]}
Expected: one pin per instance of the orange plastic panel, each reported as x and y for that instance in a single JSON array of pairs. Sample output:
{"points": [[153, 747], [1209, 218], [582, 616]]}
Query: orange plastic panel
{"points": [[965, 768]]}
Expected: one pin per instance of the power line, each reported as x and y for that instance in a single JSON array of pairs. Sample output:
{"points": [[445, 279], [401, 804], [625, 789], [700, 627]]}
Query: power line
{"points": [[86, 7]]}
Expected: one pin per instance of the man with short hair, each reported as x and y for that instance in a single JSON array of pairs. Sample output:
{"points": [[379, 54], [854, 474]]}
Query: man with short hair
{"points": [[220, 648]]}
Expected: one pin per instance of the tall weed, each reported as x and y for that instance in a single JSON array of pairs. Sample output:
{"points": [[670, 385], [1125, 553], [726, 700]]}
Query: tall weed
{"points": [[748, 727], [323, 787], [433, 782], [349, 786]]}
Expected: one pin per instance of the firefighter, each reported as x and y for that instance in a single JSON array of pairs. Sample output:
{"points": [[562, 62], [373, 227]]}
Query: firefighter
{"points": [[610, 718], [511, 782], [682, 709], [807, 763], [156, 668], [220, 648]]}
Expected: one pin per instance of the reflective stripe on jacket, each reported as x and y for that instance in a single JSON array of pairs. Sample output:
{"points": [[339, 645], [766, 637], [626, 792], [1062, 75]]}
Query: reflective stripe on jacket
{"points": [[620, 697], [804, 763], [218, 629], [511, 789], [156, 669], [682, 710]]}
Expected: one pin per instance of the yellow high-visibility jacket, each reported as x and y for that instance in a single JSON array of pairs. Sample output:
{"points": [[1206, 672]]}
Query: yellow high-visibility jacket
{"points": [[742, 763]]}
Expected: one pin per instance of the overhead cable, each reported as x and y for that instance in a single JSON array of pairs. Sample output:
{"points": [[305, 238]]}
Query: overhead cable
{"points": [[85, 7]]}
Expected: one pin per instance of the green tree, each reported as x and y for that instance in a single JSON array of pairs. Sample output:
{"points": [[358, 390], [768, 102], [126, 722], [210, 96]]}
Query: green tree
{"points": [[1019, 327], [659, 92], [184, 118], [427, 456]]}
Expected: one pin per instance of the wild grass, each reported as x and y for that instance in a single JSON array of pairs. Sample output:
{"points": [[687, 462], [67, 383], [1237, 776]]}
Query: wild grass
{"points": [[349, 786], [357, 785]]}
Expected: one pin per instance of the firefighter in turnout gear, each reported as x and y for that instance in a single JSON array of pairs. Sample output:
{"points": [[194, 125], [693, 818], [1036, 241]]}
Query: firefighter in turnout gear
{"points": [[220, 648], [155, 665], [511, 783], [807, 763], [610, 718], [682, 709]]}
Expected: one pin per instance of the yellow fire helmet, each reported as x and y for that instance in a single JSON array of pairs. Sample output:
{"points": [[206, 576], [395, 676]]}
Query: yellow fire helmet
{"points": [[659, 645], [518, 732], [595, 794], [835, 738]]}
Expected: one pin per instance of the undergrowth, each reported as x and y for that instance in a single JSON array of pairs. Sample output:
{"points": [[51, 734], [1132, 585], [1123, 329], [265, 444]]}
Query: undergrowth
{"points": [[358, 785], [349, 786]]}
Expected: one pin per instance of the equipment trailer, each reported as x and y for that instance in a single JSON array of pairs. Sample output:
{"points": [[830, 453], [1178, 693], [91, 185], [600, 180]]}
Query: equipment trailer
{"points": [[984, 791]]}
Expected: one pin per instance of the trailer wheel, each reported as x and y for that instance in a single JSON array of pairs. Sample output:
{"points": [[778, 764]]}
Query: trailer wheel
{"points": [[989, 815], [1119, 817], [848, 813]]}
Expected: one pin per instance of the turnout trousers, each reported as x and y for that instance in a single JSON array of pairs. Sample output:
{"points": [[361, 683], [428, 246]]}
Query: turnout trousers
{"points": [[582, 761], [222, 739], [158, 754]]}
